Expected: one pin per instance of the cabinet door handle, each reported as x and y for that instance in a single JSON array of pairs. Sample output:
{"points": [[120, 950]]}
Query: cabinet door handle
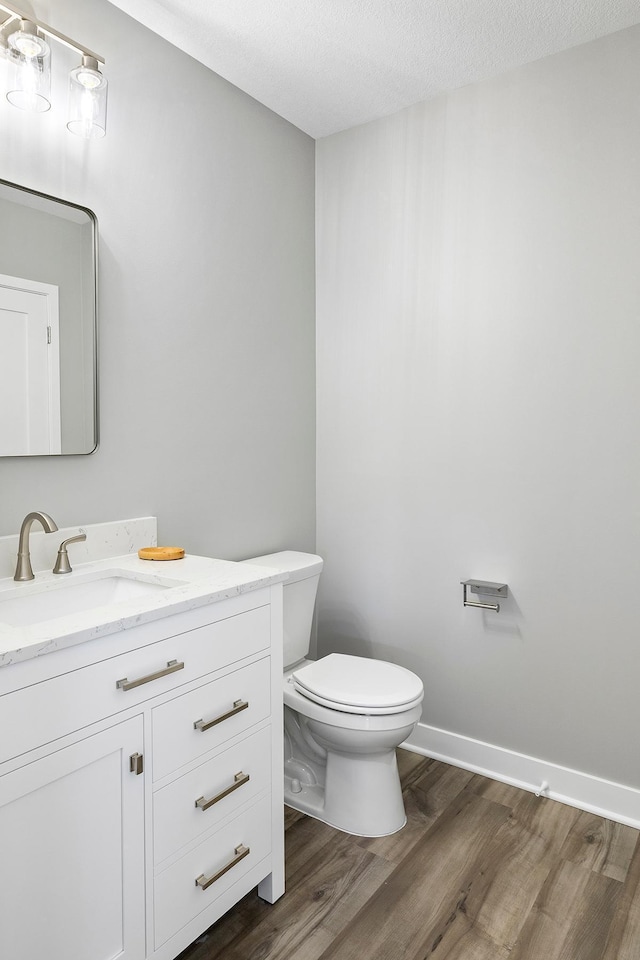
{"points": [[238, 705], [171, 667], [240, 853], [136, 763], [238, 780]]}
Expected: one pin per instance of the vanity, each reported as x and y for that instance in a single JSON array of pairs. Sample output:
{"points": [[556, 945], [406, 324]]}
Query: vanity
{"points": [[140, 747]]}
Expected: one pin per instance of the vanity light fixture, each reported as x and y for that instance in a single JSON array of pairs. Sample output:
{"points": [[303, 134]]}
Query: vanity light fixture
{"points": [[23, 41], [31, 56], [87, 100]]}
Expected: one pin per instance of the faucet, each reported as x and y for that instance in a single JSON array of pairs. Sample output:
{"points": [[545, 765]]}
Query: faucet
{"points": [[23, 566], [62, 560]]}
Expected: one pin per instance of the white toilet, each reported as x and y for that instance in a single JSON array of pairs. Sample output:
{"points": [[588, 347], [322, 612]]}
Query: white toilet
{"points": [[344, 718]]}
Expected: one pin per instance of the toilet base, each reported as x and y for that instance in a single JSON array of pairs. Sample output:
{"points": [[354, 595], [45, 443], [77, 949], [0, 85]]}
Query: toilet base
{"points": [[311, 804], [358, 795]]}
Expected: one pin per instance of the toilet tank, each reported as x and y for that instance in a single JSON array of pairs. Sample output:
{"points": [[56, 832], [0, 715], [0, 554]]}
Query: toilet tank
{"points": [[299, 597]]}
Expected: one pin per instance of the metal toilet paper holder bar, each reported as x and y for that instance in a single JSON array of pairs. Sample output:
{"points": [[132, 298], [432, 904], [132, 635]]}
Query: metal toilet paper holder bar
{"points": [[486, 588]]}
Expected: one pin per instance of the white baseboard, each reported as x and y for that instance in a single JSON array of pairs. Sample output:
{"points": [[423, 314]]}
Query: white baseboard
{"points": [[614, 801]]}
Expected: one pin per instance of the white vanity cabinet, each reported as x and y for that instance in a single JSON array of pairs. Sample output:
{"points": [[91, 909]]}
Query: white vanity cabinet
{"points": [[141, 783], [72, 852]]}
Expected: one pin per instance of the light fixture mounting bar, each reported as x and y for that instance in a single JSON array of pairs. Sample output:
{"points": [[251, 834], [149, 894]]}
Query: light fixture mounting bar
{"points": [[14, 13]]}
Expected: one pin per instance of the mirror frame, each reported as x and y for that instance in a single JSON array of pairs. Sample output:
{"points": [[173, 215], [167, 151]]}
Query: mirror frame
{"points": [[94, 325]]}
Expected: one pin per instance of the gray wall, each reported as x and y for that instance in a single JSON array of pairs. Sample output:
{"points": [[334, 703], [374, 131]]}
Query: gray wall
{"points": [[205, 207], [478, 393]]}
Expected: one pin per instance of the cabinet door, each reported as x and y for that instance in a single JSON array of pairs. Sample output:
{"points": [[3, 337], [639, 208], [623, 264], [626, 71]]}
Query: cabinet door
{"points": [[72, 852]]}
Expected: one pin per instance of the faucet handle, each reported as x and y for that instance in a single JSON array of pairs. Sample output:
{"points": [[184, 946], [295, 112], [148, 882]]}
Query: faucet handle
{"points": [[62, 560]]}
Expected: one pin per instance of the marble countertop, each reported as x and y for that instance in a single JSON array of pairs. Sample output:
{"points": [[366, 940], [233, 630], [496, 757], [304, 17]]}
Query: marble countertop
{"points": [[190, 583]]}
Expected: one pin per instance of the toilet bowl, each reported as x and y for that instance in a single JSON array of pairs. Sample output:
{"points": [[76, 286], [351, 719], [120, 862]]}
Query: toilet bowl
{"points": [[344, 716]]}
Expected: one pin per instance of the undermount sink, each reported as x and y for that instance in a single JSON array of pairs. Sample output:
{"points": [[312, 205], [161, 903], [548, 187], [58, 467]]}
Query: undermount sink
{"points": [[39, 604]]}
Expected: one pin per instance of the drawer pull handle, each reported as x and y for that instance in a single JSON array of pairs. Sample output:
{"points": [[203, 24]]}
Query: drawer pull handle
{"points": [[240, 853], [238, 706], [238, 780], [171, 667]]}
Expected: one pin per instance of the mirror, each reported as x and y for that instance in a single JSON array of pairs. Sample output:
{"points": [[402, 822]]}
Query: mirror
{"points": [[48, 335]]}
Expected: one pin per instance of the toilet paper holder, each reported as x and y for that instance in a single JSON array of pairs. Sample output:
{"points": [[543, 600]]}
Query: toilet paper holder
{"points": [[486, 588]]}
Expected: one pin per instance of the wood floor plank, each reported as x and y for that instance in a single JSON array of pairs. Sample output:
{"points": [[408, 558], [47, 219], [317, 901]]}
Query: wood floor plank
{"points": [[365, 885], [411, 765], [465, 942], [592, 920], [541, 815], [291, 816], [496, 790], [439, 784], [424, 899], [526, 850], [602, 845], [572, 916], [305, 840], [623, 942]]}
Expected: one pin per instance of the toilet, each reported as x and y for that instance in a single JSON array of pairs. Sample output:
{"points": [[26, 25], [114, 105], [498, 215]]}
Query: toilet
{"points": [[344, 716]]}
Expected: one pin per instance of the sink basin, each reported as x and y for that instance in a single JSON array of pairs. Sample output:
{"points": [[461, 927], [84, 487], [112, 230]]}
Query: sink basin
{"points": [[67, 598]]}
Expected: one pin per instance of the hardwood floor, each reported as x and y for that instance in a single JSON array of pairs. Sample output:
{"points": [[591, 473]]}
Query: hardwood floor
{"points": [[481, 871]]}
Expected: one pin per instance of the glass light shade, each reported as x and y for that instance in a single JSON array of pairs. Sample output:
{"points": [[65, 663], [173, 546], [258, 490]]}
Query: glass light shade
{"points": [[87, 100], [30, 88]]}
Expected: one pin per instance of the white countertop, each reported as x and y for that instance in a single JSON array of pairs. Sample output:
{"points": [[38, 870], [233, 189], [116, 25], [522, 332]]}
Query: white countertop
{"points": [[199, 581]]}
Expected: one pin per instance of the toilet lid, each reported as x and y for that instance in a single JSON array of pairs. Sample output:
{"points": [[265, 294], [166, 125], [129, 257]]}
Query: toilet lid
{"points": [[358, 684]]}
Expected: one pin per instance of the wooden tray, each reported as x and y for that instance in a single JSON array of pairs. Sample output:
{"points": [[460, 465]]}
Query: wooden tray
{"points": [[161, 553]]}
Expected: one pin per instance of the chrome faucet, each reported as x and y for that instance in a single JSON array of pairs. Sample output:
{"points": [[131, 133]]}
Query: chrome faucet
{"points": [[23, 566]]}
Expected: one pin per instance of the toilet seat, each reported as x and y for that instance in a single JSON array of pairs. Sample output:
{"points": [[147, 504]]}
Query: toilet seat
{"points": [[358, 685]]}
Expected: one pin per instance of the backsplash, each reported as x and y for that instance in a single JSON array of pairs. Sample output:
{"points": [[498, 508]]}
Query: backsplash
{"points": [[104, 540]]}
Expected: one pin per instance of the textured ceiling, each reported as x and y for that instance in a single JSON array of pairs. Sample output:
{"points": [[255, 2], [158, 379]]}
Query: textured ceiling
{"points": [[326, 65]]}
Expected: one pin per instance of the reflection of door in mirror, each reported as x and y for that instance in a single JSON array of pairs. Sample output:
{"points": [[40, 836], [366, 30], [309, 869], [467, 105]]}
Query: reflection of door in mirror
{"points": [[29, 368], [48, 391]]}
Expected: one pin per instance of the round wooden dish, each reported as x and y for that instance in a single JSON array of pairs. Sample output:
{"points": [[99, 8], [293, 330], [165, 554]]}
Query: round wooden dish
{"points": [[161, 553]]}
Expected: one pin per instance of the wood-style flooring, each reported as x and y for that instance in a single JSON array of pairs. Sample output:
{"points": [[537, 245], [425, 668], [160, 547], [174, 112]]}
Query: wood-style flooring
{"points": [[481, 871]]}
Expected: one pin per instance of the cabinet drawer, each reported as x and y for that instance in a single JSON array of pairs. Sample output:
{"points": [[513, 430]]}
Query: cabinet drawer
{"points": [[200, 721], [177, 896], [73, 700], [194, 804]]}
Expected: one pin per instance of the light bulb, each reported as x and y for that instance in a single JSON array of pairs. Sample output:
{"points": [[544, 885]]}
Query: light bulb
{"points": [[31, 85], [87, 100], [90, 79], [27, 45], [27, 42]]}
